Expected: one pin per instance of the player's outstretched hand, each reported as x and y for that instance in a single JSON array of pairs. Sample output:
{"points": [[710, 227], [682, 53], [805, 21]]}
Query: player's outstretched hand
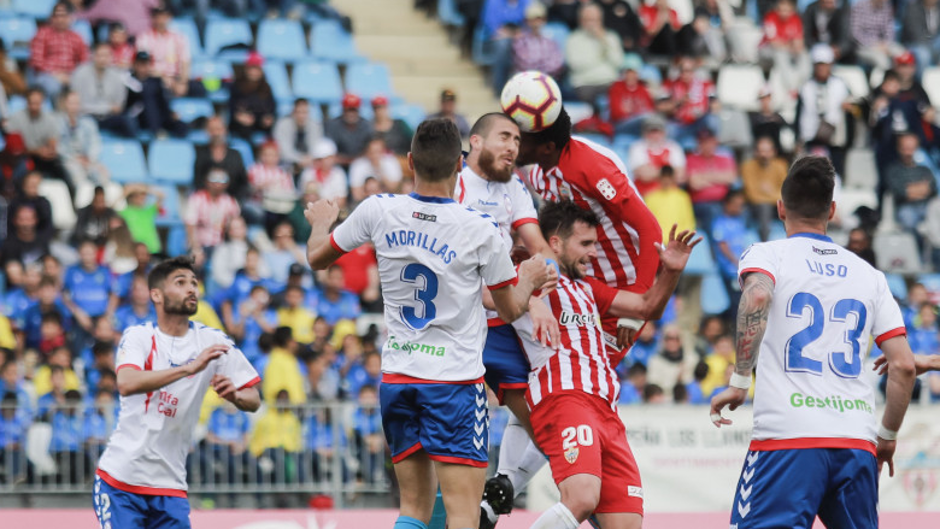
{"points": [[730, 397], [323, 212], [536, 270], [207, 355], [544, 324], [676, 253], [224, 387], [885, 451], [922, 364]]}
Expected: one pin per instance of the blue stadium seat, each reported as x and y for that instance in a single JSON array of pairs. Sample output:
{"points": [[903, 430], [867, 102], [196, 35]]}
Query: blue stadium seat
{"points": [[243, 148], [83, 28], [411, 114], [318, 82], [124, 160], [17, 103], [176, 243], [558, 32], [930, 281], [447, 13], [187, 27], [276, 75], [281, 40], [599, 139], [189, 109], [714, 297], [38, 9], [897, 285], [205, 70], [368, 80], [481, 55], [171, 161], [225, 32], [701, 262], [170, 210], [330, 42], [16, 34]]}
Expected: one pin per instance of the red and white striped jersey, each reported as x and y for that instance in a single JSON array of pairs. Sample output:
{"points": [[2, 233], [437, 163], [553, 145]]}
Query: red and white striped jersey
{"points": [[596, 179], [582, 362], [266, 180]]}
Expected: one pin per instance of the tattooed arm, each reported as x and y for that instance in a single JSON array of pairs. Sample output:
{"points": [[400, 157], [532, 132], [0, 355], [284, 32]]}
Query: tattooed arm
{"points": [[752, 323]]}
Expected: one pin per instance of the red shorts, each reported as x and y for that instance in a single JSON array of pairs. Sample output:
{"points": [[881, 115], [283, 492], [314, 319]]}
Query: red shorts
{"points": [[581, 434]]}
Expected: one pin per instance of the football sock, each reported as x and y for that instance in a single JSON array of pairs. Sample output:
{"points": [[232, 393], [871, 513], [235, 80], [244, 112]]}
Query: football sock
{"points": [[513, 447], [407, 522], [558, 517]]}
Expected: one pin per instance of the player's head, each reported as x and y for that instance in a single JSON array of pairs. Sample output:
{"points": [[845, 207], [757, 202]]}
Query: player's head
{"points": [[544, 147], [807, 191], [174, 288], [571, 233], [494, 145], [435, 150]]}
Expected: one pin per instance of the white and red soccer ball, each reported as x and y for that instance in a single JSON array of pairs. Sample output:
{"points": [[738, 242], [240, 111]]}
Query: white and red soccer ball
{"points": [[532, 99]]}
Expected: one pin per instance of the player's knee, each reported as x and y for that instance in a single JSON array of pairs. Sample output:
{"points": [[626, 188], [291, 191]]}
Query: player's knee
{"points": [[581, 501]]}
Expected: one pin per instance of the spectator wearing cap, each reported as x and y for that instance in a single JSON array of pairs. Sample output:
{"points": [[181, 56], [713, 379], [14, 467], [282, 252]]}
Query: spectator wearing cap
{"points": [[910, 88], [500, 22], [448, 109], [208, 211], [171, 55], [101, 89], [711, 173], [349, 130], [874, 33], [620, 18], [134, 16], [766, 121], [692, 96], [594, 55], [328, 179], [827, 22], [251, 104], [630, 101], [396, 133], [763, 177], [823, 101], [218, 154], [40, 132], [272, 192], [122, 51], [297, 134], [56, 51], [920, 31], [531, 50], [651, 153], [375, 162], [147, 105], [79, 143], [140, 214], [783, 47]]}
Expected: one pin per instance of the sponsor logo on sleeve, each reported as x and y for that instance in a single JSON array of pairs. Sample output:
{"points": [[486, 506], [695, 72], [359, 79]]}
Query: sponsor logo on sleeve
{"points": [[606, 188]]}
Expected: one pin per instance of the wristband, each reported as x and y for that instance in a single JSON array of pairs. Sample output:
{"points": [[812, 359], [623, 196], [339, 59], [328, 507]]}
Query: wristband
{"points": [[553, 263], [630, 323], [886, 434], [740, 381]]}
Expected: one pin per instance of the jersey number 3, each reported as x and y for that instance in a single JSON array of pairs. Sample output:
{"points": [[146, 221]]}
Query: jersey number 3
{"points": [[849, 313], [425, 281]]}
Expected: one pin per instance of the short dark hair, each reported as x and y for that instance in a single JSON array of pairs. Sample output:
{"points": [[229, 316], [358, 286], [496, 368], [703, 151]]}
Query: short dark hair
{"points": [[558, 132], [163, 270], [51, 316], [435, 149], [731, 195], [559, 218], [102, 348], [301, 101], [890, 75], [35, 90], [807, 189], [283, 336], [485, 123]]}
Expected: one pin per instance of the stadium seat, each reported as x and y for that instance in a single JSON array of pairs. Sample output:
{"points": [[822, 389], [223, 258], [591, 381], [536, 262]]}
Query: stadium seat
{"points": [[558, 32], [411, 114], [685, 11], [931, 282], [85, 193], [176, 243], [125, 160], [214, 75], [734, 129], [701, 262], [448, 15], [281, 40], [330, 42], [17, 103], [171, 161], [478, 50], [37, 9], [318, 82], [368, 80], [860, 169], [850, 199], [738, 86], [222, 33], [599, 139], [83, 28], [714, 296], [896, 252], [931, 83], [170, 210], [743, 41], [854, 78], [578, 110], [243, 148], [187, 27], [897, 285], [16, 34], [275, 73], [189, 109], [63, 214]]}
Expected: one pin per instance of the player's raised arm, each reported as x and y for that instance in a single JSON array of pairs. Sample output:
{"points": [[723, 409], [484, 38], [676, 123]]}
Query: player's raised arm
{"points": [[321, 215], [512, 301]]}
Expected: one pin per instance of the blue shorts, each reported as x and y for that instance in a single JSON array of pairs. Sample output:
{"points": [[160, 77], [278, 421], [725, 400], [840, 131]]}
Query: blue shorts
{"points": [[119, 509], [448, 421], [789, 488], [507, 366]]}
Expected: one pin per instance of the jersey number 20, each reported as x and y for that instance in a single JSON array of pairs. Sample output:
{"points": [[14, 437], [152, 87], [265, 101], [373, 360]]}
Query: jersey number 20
{"points": [[425, 280], [841, 363]]}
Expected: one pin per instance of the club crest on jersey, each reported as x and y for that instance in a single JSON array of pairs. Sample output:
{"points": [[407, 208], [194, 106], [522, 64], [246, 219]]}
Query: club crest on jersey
{"points": [[564, 192], [581, 320], [424, 216], [571, 454], [606, 188]]}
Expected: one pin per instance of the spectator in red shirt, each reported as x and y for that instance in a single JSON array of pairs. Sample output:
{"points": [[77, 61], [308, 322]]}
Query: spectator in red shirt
{"points": [[661, 26], [630, 101], [122, 51], [55, 51], [651, 153], [361, 274], [783, 46], [692, 96], [711, 174]]}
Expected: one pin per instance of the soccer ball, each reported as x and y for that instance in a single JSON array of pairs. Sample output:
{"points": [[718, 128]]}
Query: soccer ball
{"points": [[532, 99]]}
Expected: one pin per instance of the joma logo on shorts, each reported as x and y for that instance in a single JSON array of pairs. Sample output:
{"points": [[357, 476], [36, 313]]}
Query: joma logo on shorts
{"points": [[581, 320]]}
